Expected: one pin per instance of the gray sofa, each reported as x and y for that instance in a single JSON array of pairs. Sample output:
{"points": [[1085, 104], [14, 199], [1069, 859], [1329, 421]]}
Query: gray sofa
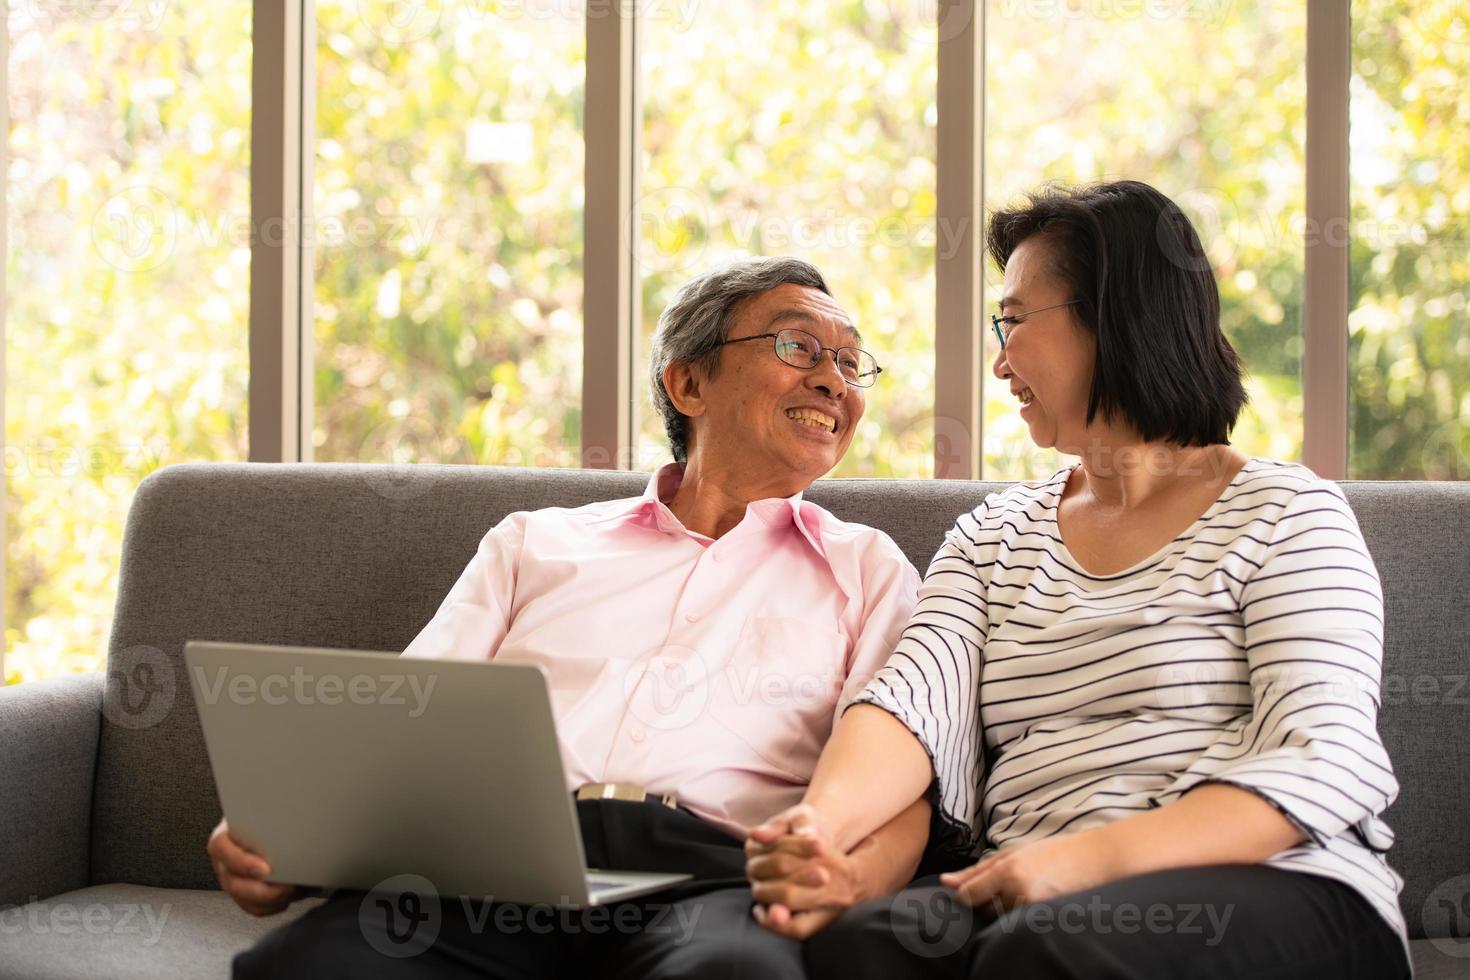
{"points": [[107, 798]]}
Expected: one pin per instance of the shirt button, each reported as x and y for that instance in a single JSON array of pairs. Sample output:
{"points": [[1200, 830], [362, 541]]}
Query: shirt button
{"points": [[716, 555], [691, 617], [638, 735]]}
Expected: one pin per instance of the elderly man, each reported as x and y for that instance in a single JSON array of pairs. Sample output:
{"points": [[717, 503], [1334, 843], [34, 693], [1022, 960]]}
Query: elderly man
{"points": [[699, 640]]}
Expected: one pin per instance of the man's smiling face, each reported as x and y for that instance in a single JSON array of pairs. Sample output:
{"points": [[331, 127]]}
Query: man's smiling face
{"points": [[790, 424]]}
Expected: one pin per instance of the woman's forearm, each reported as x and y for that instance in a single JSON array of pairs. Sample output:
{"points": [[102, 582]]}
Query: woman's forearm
{"points": [[887, 859], [1214, 824], [872, 769]]}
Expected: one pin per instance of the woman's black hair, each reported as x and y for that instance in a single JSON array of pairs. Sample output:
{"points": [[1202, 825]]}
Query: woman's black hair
{"points": [[1144, 287]]}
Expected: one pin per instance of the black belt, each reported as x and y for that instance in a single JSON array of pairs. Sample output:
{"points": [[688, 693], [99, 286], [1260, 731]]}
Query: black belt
{"points": [[626, 792]]}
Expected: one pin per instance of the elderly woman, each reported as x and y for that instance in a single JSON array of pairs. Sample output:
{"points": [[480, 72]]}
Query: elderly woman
{"points": [[1143, 690]]}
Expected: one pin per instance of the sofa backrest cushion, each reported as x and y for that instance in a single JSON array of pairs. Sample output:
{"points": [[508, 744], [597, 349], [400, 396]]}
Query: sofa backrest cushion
{"points": [[360, 556]]}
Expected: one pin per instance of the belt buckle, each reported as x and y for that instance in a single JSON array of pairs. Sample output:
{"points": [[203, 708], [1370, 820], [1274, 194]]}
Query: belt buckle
{"points": [[623, 791]]}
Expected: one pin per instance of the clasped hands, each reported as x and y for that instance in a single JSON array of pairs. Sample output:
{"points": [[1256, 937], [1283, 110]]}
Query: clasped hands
{"points": [[801, 882]]}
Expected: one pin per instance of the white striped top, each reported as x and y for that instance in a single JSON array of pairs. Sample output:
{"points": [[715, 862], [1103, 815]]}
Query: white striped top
{"points": [[1246, 651]]}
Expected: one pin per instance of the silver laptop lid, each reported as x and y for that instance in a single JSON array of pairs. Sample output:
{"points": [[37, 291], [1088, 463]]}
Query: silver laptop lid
{"points": [[348, 768]]}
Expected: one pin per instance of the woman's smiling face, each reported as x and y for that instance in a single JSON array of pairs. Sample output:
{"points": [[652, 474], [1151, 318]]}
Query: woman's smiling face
{"points": [[1048, 357]]}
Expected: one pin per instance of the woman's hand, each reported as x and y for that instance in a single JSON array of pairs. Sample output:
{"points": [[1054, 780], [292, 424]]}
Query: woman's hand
{"points": [[1035, 872], [799, 880]]}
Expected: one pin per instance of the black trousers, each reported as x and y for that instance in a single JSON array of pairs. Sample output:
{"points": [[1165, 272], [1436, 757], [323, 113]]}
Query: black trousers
{"points": [[1234, 922], [701, 929]]}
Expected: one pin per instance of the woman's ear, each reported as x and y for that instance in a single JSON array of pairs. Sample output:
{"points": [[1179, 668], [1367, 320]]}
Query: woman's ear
{"points": [[684, 381]]}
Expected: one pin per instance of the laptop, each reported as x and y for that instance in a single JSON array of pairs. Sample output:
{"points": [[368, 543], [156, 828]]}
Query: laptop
{"points": [[349, 768]]}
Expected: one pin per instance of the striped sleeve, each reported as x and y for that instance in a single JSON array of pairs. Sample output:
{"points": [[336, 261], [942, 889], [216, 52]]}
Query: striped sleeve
{"points": [[930, 683], [1313, 621]]}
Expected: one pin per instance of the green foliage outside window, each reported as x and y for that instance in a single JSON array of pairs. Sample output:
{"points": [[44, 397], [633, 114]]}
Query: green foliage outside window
{"points": [[448, 192]]}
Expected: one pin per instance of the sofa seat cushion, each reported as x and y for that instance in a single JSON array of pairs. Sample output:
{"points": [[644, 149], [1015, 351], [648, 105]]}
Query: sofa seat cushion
{"points": [[130, 931]]}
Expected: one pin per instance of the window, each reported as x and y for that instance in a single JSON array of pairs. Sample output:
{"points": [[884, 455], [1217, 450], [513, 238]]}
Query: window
{"points": [[790, 128], [1409, 349], [445, 257], [1205, 103], [448, 233], [128, 285]]}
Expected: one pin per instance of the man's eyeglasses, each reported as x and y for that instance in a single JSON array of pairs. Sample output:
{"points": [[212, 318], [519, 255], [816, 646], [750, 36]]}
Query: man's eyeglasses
{"points": [[1001, 332], [800, 349]]}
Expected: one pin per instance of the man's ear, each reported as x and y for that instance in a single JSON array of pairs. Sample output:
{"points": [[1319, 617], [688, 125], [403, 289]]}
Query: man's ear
{"points": [[684, 381]]}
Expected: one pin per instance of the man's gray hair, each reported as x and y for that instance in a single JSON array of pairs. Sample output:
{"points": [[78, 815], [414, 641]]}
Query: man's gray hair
{"points": [[694, 323]]}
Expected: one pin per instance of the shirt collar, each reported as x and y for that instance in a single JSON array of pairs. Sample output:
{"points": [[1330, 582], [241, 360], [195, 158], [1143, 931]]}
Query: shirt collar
{"points": [[651, 509]]}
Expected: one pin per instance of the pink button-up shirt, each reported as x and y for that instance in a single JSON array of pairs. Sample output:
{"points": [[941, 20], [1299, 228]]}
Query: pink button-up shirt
{"points": [[709, 669]]}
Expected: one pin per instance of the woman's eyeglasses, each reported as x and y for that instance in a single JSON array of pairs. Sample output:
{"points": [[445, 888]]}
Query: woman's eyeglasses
{"points": [[1002, 333]]}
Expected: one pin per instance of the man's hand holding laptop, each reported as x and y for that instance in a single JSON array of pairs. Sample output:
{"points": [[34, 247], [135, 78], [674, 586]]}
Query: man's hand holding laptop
{"points": [[243, 875]]}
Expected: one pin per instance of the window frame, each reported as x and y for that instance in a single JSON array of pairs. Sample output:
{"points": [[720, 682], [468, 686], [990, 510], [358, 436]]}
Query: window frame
{"points": [[283, 138]]}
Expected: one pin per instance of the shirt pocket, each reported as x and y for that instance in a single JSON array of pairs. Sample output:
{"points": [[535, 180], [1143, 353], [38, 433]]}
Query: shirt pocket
{"points": [[778, 690]]}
